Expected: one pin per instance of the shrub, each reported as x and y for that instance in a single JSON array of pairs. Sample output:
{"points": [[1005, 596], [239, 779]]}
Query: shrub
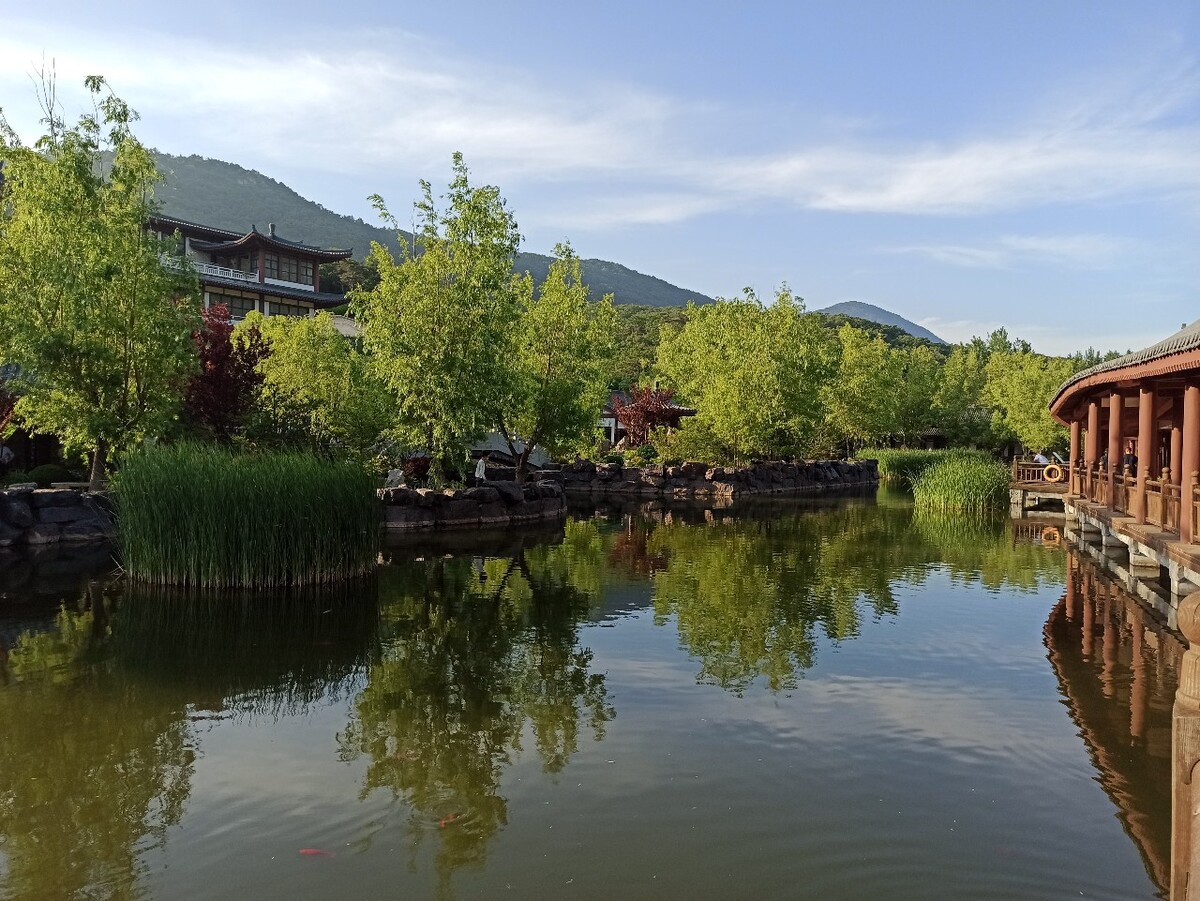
{"points": [[16, 477], [50, 472], [211, 517], [642, 455], [962, 484]]}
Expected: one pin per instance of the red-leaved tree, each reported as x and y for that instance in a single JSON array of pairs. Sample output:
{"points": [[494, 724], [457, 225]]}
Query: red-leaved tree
{"points": [[646, 409], [220, 394]]}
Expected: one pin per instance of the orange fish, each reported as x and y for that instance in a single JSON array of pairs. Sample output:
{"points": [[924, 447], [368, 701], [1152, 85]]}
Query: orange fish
{"points": [[315, 852]]}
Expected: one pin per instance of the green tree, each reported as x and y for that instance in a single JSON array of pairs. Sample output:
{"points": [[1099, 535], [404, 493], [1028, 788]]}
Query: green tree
{"points": [[920, 377], [100, 328], [958, 404], [561, 365], [318, 387], [1020, 385], [753, 372], [861, 402], [439, 326]]}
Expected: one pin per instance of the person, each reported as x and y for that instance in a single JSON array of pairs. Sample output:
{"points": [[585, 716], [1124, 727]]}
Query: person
{"points": [[481, 470], [1104, 462], [1040, 458], [1129, 461], [6, 458]]}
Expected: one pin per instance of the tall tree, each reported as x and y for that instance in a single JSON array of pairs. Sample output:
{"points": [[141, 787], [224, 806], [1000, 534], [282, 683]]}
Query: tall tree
{"points": [[439, 326], [218, 397], [99, 326], [959, 403], [561, 365], [861, 402], [753, 372], [1020, 386]]}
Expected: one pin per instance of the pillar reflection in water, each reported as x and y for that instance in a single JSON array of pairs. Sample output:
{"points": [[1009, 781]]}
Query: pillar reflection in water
{"points": [[1117, 666]]}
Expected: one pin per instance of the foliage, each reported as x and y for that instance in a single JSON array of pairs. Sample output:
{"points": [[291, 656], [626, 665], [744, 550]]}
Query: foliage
{"points": [[209, 517], [8, 403], [962, 484], [47, 473], [904, 465], [647, 409], [959, 407], [637, 332], [439, 326], [860, 402], [560, 365], [754, 373], [99, 327], [317, 387], [348, 275], [1020, 386], [218, 397], [894, 335]]}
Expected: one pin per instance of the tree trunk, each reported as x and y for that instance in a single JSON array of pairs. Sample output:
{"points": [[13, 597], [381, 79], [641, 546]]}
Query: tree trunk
{"points": [[99, 465]]}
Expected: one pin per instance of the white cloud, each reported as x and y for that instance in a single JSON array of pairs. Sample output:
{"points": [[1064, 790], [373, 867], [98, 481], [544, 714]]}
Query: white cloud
{"points": [[1077, 251]]}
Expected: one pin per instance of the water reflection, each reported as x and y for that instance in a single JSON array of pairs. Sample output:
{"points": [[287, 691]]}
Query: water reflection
{"points": [[1118, 668], [478, 653]]}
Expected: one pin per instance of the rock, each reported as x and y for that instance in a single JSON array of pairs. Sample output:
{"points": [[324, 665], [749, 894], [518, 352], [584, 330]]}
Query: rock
{"points": [[65, 514], [21, 489], [408, 517], [86, 530], [427, 497], [395, 478], [493, 514], [9, 535], [459, 510], [694, 470], [509, 492], [55, 497], [43, 533], [549, 489], [16, 512], [481, 494]]}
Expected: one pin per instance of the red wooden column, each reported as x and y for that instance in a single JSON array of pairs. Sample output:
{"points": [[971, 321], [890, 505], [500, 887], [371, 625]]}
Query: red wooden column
{"points": [[1091, 448], [1146, 448], [1176, 451], [1190, 459], [1115, 405], [1073, 459]]}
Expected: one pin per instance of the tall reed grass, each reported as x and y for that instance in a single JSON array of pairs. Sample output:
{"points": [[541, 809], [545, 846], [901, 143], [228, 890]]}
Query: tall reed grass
{"points": [[962, 485], [905, 465], [208, 517]]}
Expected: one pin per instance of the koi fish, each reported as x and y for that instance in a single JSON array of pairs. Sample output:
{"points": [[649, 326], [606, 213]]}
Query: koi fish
{"points": [[315, 852], [449, 819]]}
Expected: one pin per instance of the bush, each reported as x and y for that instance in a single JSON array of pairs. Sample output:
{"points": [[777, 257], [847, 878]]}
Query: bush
{"points": [[16, 477], [642, 455], [210, 517], [906, 465], [962, 484], [50, 472]]}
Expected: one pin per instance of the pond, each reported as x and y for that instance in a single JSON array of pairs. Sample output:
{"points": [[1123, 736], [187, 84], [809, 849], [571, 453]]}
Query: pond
{"points": [[825, 699]]}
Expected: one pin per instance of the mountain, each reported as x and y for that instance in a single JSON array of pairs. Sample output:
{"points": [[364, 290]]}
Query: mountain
{"points": [[872, 313], [212, 192]]}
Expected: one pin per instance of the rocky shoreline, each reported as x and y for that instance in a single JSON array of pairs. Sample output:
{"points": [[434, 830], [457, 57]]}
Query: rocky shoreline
{"points": [[492, 504], [699, 480], [42, 516]]}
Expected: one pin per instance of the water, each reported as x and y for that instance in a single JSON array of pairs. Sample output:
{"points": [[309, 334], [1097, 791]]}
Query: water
{"points": [[792, 699]]}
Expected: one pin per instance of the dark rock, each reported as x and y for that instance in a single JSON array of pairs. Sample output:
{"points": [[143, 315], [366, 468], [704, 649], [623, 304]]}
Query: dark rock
{"points": [[493, 514], [21, 489], [399, 497], [427, 497], [16, 512], [482, 494], [549, 489], [55, 497], [509, 492], [65, 514], [459, 510], [43, 533], [9, 535], [694, 470], [410, 517], [93, 529]]}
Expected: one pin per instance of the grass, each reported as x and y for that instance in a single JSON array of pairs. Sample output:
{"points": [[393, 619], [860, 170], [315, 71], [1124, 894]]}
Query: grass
{"points": [[963, 484], [207, 517], [902, 465]]}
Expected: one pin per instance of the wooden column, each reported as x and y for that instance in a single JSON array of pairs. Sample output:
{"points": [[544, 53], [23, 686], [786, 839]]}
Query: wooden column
{"points": [[1190, 459], [1092, 446], [1147, 448], [1176, 451], [1115, 408], [1073, 459]]}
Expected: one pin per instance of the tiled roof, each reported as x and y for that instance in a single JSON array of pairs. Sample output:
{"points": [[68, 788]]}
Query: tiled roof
{"points": [[219, 240], [1187, 338]]}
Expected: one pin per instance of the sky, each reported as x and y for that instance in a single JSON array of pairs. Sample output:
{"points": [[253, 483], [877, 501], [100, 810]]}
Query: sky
{"points": [[967, 165]]}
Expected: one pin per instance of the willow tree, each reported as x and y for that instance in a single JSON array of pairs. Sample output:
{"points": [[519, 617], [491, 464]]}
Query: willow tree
{"points": [[753, 372], [560, 366], [439, 326], [99, 327]]}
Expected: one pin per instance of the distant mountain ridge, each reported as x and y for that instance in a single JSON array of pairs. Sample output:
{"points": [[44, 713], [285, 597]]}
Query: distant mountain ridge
{"points": [[225, 195], [872, 313]]}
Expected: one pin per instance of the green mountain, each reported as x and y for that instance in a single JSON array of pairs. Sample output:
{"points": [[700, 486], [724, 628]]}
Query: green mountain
{"points": [[856, 310], [224, 195]]}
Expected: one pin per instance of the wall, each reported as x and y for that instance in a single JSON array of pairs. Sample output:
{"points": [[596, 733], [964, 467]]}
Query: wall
{"points": [[493, 504], [698, 480], [40, 516]]}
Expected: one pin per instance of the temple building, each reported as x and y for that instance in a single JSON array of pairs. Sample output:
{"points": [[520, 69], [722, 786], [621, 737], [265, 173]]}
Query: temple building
{"points": [[1135, 453], [254, 271]]}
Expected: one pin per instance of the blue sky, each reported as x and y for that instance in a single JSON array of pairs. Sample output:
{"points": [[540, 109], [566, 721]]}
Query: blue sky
{"points": [[965, 164]]}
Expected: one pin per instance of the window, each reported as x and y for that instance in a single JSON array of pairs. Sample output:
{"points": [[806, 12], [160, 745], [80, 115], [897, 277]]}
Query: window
{"points": [[287, 309], [238, 306], [306, 271]]}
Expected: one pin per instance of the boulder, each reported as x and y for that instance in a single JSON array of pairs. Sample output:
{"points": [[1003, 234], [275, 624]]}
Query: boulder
{"points": [[481, 494], [44, 533], [21, 489], [55, 497], [408, 517], [427, 497], [399, 497], [76, 513], [92, 529], [16, 512], [694, 470], [459, 510], [549, 489], [509, 492], [493, 514]]}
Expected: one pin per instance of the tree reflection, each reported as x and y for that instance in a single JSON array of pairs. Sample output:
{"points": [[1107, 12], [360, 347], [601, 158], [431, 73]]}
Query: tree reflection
{"points": [[85, 788], [478, 653]]}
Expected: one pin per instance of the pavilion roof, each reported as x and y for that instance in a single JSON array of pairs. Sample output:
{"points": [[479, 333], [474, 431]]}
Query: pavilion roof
{"points": [[1184, 340], [221, 240]]}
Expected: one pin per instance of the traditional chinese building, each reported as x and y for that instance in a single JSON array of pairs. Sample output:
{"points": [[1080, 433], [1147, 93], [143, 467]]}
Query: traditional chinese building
{"points": [[1135, 453], [253, 271]]}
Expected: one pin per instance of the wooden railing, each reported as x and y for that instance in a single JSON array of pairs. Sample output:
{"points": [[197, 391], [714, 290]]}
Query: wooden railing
{"points": [[1163, 499], [1028, 471]]}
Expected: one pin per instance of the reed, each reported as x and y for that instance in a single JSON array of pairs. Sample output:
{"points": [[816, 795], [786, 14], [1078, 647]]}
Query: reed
{"points": [[962, 484], [905, 465], [208, 517]]}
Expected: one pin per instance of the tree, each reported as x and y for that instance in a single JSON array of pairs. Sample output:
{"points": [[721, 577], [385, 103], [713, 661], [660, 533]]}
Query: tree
{"points": [[218, 397], [920, 376], [861, 402], [754, 374], [1020, 386], [561, 365], [646, 410], [959, 404], [99, 326], [439, 326], [318, 388]]}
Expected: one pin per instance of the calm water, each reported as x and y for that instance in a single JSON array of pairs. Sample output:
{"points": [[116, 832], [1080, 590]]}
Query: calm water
{"points": [[798, 699]]}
